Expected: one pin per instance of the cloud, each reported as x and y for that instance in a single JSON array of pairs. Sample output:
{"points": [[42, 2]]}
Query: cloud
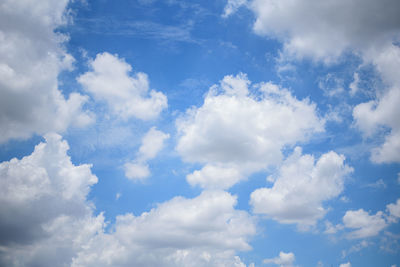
{"points": [[44, 214], [356, 25], [394, 210], [152, 143], [46, 220], [376, 185], [203, 231], [376, 115], [366, 225], [232, 6], [127, 96], [368, 29], [237, 132], [283, 260], [347, 264], [301, 187], [31, 58]]}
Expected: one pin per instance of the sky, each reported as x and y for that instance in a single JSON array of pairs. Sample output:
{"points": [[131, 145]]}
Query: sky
{"points": [[200, 133]]}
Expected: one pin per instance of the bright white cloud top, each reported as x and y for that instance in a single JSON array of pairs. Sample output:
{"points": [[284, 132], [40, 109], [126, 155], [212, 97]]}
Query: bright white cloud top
{"points": [[199, 133], [237, 132]]}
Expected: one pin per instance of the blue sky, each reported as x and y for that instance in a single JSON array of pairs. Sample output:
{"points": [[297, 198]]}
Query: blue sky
{"points": [[200, 133]]}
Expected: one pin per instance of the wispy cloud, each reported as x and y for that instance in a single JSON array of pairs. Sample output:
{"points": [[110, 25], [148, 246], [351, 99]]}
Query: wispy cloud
{"points": [[140, 29]]}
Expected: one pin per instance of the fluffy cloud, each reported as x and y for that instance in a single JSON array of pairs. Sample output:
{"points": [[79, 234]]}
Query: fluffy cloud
{"points": [[347, 264], [394, 210], [236, 132], [127, 96], [301, 187], [355, 26], [152, 143], [204, 231], [31, 58], [43, 207], [366, 225], [380, 114], [368, 29], [45, 220], [283, 260]]}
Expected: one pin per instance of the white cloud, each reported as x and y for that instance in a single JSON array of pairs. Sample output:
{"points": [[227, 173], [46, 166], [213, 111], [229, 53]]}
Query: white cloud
{"points": [[152, 143], [394, 210], [283, 260], [366, 225], [127, 96], [204, 231], [347, 264], [332, 229], [136, 171], [236, 132], [355, 25], [44, 215], [232, 6], [46, 220], [300, 189], [373, 116], [367, 29], [31, 58]]}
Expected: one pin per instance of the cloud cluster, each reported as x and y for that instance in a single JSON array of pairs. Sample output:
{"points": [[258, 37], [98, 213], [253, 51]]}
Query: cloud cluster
{"points": [[46, 220], [44, 214], [300, 188], [152, 143], [369, 29], [127, 96], [309, 29], [204, 231], [31, 58], [237, 132]]}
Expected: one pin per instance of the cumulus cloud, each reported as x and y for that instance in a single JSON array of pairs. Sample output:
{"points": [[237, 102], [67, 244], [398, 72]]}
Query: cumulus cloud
{"points": [[46, 220], [203, 231], [127, 95], [31, 58], [237, 132], [152, 143], [43, 207], [354, 26], [366, 225], [301, 187], [283, 260], [377, 115], [369, 29]]}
